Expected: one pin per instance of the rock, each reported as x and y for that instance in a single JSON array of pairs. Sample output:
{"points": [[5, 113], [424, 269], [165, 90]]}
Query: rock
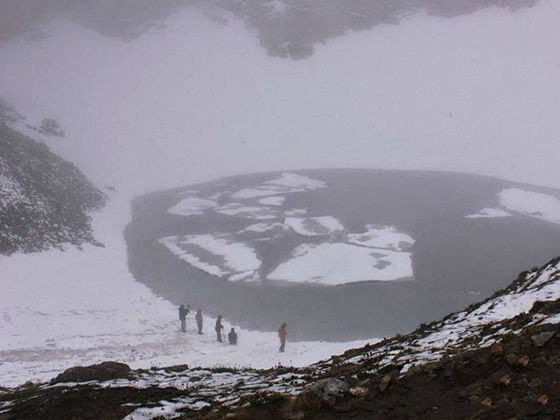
{"points": [[497, 349], [543, 399], [541, 339], [385, 381], [505, 380], [523, 360], [101, 372], [358, 391], [512, 359], [328, 389]]}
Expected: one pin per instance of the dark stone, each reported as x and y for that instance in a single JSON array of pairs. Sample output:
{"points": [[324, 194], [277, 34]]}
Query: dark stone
{"points": [[101, 372]]}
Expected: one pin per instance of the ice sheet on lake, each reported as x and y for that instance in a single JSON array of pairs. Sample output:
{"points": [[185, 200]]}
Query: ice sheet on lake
{"points": [[314, 226], [273, 201], [233, 260], [190, 206], [488, 213], [265, 227], [340, 263], [285, 184], [532, 204], [382, 237], [249, 212], [291, 180]]}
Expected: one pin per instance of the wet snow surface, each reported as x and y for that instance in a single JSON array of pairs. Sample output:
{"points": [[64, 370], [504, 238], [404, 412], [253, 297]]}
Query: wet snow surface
{"points": [[339, 254]]}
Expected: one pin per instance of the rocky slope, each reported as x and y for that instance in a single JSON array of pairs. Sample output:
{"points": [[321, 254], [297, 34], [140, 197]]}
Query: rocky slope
{"points": [[496, 359], [44, 200]]}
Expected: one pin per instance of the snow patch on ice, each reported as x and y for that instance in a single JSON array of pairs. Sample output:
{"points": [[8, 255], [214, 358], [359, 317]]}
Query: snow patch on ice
{"points": [[340, 263], [248, 212], [382, 237], [488, 213], [532, 204], [235, 259], [190, 206], [272, 201], [314, 226], [265, 227], [287, 183]]}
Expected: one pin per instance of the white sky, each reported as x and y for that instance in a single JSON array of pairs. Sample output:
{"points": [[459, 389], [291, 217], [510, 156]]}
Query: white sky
{"points": [[478, 93]]}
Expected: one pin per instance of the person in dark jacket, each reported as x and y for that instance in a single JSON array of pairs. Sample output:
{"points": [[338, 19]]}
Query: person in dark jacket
{"points": [[219, 327], [282, 335], [198, 318], [232, 337], [183, 312]]}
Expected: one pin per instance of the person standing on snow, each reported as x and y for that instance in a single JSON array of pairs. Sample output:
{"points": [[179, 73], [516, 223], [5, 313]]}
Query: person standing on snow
{"points": [[198, 318], [183, 317], [232, 337], [282, 334], [219, 327]]}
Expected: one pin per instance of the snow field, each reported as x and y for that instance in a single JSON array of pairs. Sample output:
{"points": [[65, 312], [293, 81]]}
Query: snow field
{"points": [[79, 307]]}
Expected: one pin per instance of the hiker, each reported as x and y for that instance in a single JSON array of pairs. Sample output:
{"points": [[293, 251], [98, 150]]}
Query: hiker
{"points": [[232, 337], [183, 317], [219, 327], [282, 335], [198, 318]]}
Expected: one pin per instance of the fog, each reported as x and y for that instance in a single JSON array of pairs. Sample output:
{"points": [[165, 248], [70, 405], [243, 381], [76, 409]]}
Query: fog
{"points": [[158, 94]]}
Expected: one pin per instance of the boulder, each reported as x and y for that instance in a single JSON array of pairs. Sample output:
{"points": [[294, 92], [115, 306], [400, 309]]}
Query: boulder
{"points": [[101, 372], [328, 389], [542, 338]]}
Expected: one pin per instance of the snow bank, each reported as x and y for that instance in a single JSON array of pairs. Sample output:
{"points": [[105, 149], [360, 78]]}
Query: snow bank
{"points": [[340, 263], [532, 204]]}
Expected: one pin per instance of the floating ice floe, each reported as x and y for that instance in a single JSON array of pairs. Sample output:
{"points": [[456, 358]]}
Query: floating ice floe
{"points": [[249, 212], [532, 204], [217, 254], [314, 226], [382, 237], [488, 213], [340, 263], [190, 206], [265, 227], [273, 201], [285, 184]]}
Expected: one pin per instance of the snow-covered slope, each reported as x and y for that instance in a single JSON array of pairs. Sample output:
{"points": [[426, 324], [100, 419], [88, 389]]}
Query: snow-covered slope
{"points": [[44, 200]]}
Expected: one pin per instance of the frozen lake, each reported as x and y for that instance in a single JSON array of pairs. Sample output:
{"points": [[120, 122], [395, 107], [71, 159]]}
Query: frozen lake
{"points": [[340, 254]]}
